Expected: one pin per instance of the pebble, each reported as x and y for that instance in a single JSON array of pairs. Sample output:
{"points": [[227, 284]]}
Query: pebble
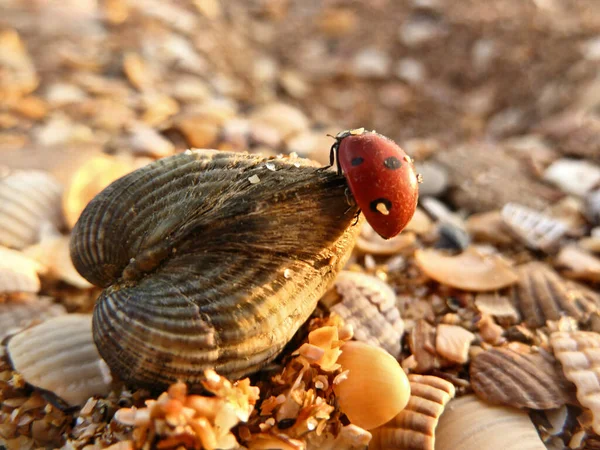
{"points": [[435, 178], [418, 31], [371, 63], [285, 119], [410, 70], [573, 176]]}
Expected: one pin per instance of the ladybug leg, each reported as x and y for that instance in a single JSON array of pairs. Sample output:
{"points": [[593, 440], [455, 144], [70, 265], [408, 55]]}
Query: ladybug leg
{"points": [[356, 217], [349, 199], [332, 155]]}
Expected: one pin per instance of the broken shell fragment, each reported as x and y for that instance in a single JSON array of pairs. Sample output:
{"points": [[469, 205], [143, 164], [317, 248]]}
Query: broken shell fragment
{"points": [[29, 200], [470, 271], [422, 347], [579, 355], [414, 427], [516, 376], [452, 342], [471, 424], [22, 312], [370, 242], [371, 397], [203, 269], [369, 305], [579, 264], [542, 294], [59, 356], [534, 229], [18, 272]]}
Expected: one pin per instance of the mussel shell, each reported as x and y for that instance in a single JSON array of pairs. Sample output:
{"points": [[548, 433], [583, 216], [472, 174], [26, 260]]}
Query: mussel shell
{"points": [[209, 259]]}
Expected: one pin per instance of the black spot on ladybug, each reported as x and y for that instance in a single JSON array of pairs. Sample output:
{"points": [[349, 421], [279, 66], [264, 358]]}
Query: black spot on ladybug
{"points": [[381, 205], [392, 163], [357, 161]]}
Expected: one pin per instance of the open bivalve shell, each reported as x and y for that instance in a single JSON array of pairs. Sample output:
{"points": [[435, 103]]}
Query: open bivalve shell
{"points": [[22, 312], [369, 305], [541, 294], [414, 427], [29, 200], [470, 271], [18, 272], [471, 424], [59, 356], [579, 354], [207, 261], [516, 376]]}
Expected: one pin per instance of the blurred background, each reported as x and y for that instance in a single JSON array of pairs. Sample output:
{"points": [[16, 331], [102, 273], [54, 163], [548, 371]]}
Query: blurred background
{"points": [[478, 92]]}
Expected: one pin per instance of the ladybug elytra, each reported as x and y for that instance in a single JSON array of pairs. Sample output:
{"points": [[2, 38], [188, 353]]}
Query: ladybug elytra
{"points": [[381, 177]]}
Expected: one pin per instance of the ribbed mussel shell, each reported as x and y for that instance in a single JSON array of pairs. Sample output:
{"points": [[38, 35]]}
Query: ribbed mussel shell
{"points": [[209, 259]]}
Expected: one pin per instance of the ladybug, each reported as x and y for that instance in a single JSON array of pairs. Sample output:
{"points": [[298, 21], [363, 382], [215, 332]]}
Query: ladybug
{"points": [[381, 177]]}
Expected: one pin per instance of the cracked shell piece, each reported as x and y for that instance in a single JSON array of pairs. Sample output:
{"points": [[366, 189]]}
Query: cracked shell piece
{"points": [[203, 269], [579, 354], [22, 312], [536, 230], [29, 200], [542, 294], [414, 427], [470, 271], [577, 263], [516, 376], [471, 424], [369, 305], [59, 356], [452, 342], [422, 346], [18, 272]]}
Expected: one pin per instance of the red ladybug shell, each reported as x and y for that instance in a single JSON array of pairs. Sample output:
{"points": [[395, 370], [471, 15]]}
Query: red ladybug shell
{"points": [[382, 179]]}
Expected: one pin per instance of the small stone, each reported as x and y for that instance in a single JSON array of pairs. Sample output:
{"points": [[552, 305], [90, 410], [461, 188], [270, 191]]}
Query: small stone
{"points": [[147, 141], [573, 176], [286, 119], [410, 70], [60, 94], [418, 31], [371, 63], [435, 178], [254, 179]]}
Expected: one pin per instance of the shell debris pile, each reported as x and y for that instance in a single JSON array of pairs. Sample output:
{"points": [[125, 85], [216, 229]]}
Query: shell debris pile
{"points": [[164, 216]]}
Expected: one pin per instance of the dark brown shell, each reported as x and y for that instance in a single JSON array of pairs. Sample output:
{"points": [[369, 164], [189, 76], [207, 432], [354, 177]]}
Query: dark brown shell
{"points": [[209, 260]]}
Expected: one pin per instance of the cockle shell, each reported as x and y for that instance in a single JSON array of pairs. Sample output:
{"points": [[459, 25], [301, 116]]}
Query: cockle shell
{"points": [[21, 312], [369, 305], [578, 353], [516, 376], [471, 424], [209, 260], [414, 427], [542, 294], [59, 356], [29, 200]]}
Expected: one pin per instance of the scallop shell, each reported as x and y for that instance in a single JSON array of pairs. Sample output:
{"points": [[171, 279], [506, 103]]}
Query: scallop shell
{"points": [[471, 424], [579, 354], [209, 262], [29, 200], [414, 427], [18, 272], [452, 342], [22, 312], [542, 295], [534, 229], [369, 305], [516, 376], [471, 270], [59, 356]]}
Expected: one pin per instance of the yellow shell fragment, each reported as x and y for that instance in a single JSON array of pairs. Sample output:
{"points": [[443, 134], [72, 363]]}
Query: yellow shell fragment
{"points": [[470, 271], [88, 180], [29, 201], [370, 397], [471, 424], [59, 356], [18, 272], [579, 354], [414, 427]]}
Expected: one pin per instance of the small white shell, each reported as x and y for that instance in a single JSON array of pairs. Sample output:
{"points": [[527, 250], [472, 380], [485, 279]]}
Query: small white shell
{"points": [[18, 273], [19, 313], [60, 356], [533, 228], [29, 200], [471, 424]]}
